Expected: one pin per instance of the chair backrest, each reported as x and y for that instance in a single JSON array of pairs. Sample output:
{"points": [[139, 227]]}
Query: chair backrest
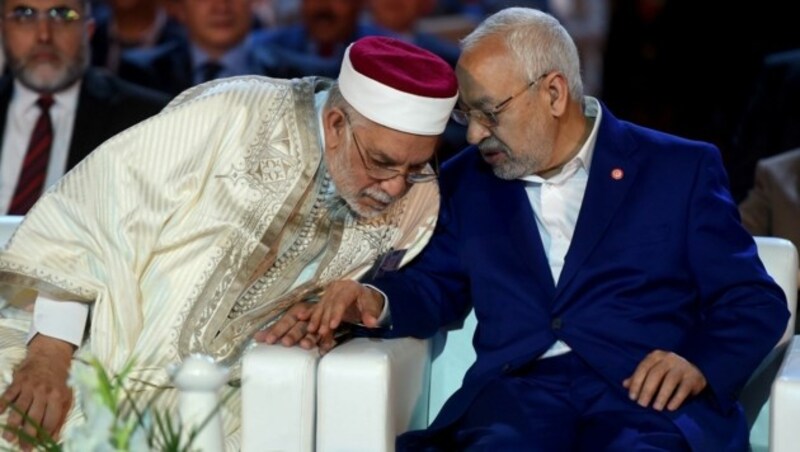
{"points": [[453, 352], [8, 224], [780, 259]]}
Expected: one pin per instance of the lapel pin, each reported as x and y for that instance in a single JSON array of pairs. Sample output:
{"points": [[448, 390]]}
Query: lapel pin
{"points": [[617, 174]]}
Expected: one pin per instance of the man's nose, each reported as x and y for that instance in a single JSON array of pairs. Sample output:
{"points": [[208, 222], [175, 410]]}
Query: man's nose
{"points": [[396, 186], [477, 132]]}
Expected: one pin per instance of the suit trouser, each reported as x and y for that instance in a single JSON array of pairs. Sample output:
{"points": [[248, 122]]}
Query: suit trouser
{"points": [[555, 404]]}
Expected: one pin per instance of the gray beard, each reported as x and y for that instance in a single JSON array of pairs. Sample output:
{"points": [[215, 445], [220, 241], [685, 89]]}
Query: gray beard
{"points": [[338, 209]]}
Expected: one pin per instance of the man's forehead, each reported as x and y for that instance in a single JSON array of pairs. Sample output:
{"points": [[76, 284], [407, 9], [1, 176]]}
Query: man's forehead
{"points": [[477, 93]]}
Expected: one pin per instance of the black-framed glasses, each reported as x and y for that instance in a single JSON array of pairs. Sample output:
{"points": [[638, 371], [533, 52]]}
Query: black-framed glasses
{"points": [[382, 173], [488, 118], [58, 15]]}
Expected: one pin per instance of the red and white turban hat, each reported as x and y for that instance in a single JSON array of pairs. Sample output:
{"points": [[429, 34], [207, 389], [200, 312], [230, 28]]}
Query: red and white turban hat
{"points": [[398, 85]]}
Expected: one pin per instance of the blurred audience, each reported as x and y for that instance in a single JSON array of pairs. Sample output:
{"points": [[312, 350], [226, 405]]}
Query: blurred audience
{"points": [[130, 24], [588, 22], [54, 108], [401, 17], [770, 122], [264, 13], [219, 43], [674, 65], [772, 207], [317, 44]]}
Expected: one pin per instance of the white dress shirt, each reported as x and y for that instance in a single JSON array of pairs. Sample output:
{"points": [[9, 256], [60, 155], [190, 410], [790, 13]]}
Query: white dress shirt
{"points": [[556, 202], [20, 119]]}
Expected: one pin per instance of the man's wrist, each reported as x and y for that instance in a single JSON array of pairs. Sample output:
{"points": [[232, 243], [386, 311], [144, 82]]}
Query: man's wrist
{"points": [[384, 319], [50, 348]]}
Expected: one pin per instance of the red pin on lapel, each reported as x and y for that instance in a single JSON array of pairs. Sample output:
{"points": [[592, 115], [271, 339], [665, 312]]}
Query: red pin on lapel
{"points": [[617, 174]]}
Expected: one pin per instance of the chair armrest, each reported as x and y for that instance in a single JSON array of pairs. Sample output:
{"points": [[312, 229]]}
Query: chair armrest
{"points": [[278, 392], [371, 390], [785, 402]]}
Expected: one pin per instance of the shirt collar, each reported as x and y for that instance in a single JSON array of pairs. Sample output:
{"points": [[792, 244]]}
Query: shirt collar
{"points": [[66, 99], [591, 109], [583, 159], [235, 60]]}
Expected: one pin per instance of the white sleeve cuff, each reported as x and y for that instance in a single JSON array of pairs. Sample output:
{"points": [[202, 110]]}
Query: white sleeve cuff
{"points": [[385, 319], [64, 320]]}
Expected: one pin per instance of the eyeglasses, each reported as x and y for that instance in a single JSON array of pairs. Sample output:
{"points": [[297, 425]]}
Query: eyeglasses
{"points": [[382, 173], [58, 16], [488, 118]]}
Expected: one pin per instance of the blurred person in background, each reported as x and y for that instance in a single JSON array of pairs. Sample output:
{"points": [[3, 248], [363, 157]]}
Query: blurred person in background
{"points": [[219, 43], [131, 24], [316, 45], [772, 206], [55, 108], [402, 17]]}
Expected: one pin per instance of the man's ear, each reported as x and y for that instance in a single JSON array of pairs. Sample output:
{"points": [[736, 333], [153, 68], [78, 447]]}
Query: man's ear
{"points": [[334, 126], [558, 90]]}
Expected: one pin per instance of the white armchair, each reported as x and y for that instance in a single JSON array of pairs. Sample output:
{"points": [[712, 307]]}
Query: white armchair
{"points": [[8, 224], [370, 390]]}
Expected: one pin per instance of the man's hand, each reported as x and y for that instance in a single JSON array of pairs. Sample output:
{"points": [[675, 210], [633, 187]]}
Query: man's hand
{"points": [[291, 328], [666, 379], [39, 389], [315, 324], [345, 301]]}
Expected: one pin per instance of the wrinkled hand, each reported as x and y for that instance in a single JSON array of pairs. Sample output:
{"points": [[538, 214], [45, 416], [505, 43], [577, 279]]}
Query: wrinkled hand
{"points": [[665, 379], [315, 324], [291, 328], [344, 301], [40, 390]]}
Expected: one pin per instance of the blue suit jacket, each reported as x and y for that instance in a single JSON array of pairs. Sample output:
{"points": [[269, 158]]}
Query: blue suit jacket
{"points": [[658, 260]]}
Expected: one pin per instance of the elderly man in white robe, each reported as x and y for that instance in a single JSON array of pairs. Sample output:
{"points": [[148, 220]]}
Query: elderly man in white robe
{"points": [[195, 229]]}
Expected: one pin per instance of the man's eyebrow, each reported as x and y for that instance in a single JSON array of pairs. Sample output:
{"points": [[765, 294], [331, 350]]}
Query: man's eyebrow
{"points": [[479, 103], [381, 158]]}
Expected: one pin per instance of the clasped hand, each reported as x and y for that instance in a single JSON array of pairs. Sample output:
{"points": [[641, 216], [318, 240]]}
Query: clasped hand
{"points": [[312, 325]]}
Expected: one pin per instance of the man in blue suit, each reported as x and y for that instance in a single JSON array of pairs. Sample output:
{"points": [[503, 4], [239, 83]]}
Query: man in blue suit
{"points": [[620, 304]]}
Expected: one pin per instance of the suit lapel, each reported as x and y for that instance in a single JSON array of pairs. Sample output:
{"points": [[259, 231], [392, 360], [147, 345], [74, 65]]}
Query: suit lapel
{"points": [[91, 117], [513, 204], [181, 69], [612, 173], [6, 86]]}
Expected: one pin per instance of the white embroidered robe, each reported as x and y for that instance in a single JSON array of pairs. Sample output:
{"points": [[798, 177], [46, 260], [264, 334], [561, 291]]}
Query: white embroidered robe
{"points": [[186, 232]]}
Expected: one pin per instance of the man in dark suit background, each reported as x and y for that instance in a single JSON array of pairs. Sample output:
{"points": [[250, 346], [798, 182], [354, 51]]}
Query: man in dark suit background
{"points": [[316, 45], [52, 100], [123, 25], [219, 43]]}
